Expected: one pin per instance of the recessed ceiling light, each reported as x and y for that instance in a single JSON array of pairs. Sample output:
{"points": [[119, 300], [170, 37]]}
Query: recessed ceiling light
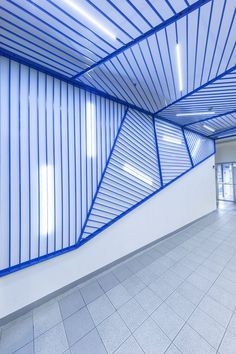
{"points": [[90, 18], [170, 139], [178, 56], [208, 128], [194, 114]]}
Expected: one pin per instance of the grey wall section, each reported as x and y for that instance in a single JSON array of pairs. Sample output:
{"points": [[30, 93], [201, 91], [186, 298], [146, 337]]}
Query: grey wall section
{"points": [[226, 151]]}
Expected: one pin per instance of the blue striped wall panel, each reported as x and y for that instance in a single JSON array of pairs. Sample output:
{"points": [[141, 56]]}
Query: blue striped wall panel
{"points": [[55, 142], [131, 175], [199, 146], [72, 163], [174, 156]]}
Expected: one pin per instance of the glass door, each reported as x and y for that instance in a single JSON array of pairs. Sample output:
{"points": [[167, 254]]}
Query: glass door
{"points": [[226, 181]]}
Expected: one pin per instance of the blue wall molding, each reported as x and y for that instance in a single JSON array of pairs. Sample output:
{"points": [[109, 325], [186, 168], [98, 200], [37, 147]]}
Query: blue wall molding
{"points": [[72, 163]]}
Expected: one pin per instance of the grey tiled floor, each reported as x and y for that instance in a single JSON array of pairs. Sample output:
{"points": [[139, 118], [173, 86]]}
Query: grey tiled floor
{"points": [[178, 296]]}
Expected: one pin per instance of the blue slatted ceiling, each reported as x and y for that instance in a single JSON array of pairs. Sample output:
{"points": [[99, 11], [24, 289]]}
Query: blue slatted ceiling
{"points": [[199, 146], [132, 173], [217, 125], [218, 97], [174, 156]]}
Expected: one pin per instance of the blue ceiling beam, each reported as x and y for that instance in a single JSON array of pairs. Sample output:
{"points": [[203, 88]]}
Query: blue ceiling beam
{"points": [[230, 70], [210, 118], [145, 35], [19, 59], [225, 137], [214, 136]]}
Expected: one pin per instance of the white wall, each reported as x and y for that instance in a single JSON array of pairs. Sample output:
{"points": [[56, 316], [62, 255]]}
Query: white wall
{"points": [[189, 198], [226, 151]]}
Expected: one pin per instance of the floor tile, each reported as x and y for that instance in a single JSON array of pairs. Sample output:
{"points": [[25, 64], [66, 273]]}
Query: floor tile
{"points": [[180, 305], [108, 281], [223, 297], [27, 349], [71, 303], [215, 310], [146, 276], [113, 332], [228, 344], [100, 309], [232, 324], [148, 300], [189, 341], [207, 327], [90, 344], [16, 335], [78, 325], [199, 281], [161, 288], [130, 346], [133, 285], [190, 292], [53, 341], [173, 350], [132, 314], [122, 272], [118, 295], [46, 317], [134, 265], [168, 320], [150, 338], [91, 291]]}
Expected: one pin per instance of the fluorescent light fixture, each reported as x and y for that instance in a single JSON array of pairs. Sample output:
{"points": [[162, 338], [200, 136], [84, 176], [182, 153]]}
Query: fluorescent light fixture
{"points": [[138, 174], [46, 200], [208, 128], [170, 139], [178, 55], [196, 147], [90, 126], [194, 114], [85, 14]]}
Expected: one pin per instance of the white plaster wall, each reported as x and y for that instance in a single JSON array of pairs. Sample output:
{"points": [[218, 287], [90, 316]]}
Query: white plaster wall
{"points": [[226, 151], [189, 198]]}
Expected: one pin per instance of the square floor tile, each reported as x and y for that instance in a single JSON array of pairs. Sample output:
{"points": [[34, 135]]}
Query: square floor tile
{"points": [[215, 310], [132, 314], [190, 292], [130, 346], [53, 341], [173, 350], [122, 272], [100, 309], [118, 295], [91, 291], [113, 332], [150, 338], [90, 344], [148, 300], [199, 281], [16, 335], [223, 297], [108, 281], [180, 305], [207, 327], [189, 341], [228, 344], [232, 325], [161, 288], [27, 349], [46, 317], [168, 320], [133, 285], [71, 303], [77, 325]]}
